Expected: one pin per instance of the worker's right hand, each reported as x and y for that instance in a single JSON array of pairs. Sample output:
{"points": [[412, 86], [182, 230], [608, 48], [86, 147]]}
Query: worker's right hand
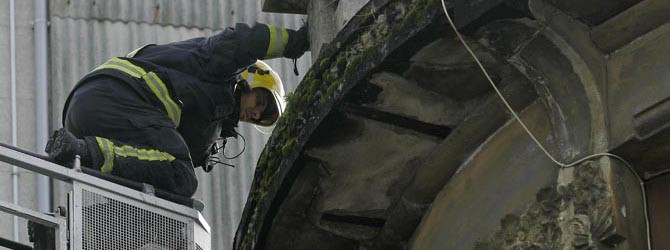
{"points": [[63, 146], [298, 42]]}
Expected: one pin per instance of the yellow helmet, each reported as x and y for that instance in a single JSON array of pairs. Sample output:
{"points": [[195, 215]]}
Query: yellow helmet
{"points": [[260, 75]]}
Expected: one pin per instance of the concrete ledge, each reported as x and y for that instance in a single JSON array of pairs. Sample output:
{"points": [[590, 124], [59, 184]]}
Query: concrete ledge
{"points": [[631, 24], [285, 6]]}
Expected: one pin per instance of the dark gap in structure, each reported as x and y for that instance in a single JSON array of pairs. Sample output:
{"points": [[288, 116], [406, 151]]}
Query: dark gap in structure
{"points": [[658, 189], [398, 60], [397, 120], [521, 6], [649, 156], [363, 93], [335, 128], [503, 11], [593, 13], [282, 191], [353, 219]]}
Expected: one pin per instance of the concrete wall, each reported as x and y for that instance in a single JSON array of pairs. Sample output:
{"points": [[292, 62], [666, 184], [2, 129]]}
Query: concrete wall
{"points": [[327, 18]]}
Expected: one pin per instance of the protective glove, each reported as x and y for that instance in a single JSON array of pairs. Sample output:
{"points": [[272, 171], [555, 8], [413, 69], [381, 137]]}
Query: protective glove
{"points": [[298, 42], [63, 146]]}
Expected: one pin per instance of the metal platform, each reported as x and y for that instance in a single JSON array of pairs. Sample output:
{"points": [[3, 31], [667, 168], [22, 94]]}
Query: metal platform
{"points": [[103, 214]]}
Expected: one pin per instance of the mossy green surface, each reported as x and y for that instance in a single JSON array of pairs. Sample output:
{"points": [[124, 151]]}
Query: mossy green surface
{"points": [[286, 149], [320, 84], [333, 86], [324, 63]]}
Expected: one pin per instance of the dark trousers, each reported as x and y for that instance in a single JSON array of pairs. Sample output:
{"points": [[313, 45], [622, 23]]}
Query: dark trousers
{"points": [[107, 107]]}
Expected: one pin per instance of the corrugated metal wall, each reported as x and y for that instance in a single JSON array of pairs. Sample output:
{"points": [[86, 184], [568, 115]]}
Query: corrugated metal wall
{"points": [[85, 33], [25, 97]]}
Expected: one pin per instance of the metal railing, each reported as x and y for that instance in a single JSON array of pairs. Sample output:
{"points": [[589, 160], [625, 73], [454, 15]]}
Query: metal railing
{"points": [[107, 212]]}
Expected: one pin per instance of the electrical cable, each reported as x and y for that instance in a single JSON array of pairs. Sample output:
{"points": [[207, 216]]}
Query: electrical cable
{"points": [[537, 142], [217, 160], [244, 147]]}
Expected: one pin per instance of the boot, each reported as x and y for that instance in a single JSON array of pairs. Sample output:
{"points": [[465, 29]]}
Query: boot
{"points": [[63, 146], [43, 237]]}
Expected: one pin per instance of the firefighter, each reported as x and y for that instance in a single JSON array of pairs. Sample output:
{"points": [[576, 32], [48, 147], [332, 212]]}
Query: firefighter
{"points": [[156, 114]]}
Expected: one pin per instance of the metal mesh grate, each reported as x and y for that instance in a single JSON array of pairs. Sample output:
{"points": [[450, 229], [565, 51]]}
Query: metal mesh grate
{"points": [[112, 224], [197, 247]]}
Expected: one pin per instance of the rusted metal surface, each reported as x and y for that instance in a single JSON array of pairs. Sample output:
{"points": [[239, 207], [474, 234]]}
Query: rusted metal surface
{"points": [[658, 201]]}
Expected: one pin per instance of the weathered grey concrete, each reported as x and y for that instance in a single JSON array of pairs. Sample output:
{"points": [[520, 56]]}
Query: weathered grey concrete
{"points": [[402, 97], [444, 66], [346, 10], [639, 87], [593, 12], [322, 27], [556, 84], [506, 193], [437, 169], [631, 24], [327, 18], [292, 229], [589, 64], [507, 36], [364, 173], [499, 178], [285, 6], [312, 104], [574, 40]]}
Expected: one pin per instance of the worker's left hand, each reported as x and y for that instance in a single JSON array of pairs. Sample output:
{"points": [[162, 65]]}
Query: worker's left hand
{"points": [[298, 42]]}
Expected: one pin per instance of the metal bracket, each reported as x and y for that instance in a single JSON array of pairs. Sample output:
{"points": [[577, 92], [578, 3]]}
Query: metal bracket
{"points": [[77, 163], [148, 189]]}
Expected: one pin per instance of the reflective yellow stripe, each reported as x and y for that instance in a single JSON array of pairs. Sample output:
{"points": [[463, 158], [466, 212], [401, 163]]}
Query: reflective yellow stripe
{"points": [[143, 154], [125, 151], [284, 41], [109, 151], [152, 80], [278, 41], [273, 39], [124, 66], [134, 52], [160, 90], [107, 147]]}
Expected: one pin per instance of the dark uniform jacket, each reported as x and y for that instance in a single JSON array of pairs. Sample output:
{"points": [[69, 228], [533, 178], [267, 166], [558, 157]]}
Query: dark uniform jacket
{"points": [[194, 87]]}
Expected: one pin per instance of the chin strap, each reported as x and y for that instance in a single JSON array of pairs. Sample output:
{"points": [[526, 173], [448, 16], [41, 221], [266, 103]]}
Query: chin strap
{"points": [[295, 66]]}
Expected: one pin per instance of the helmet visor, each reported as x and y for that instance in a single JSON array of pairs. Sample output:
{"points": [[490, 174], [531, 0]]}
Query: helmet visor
{"points": [[271, 112]]}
